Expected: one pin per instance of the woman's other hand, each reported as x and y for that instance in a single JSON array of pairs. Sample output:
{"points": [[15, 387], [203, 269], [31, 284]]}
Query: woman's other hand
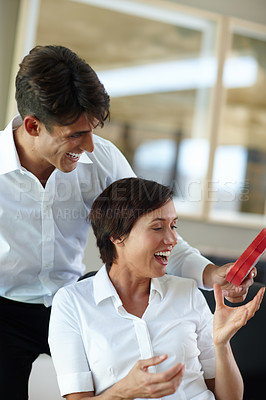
{"points": [[140, 383], [228, 320]]}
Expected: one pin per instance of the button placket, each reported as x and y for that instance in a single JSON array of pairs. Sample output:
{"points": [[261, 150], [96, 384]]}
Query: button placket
{"points": [[144, 340], [48, 234], [142, 334]]}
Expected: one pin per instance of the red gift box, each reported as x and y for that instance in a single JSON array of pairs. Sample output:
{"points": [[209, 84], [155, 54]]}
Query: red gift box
{"points": [[247, 260]]}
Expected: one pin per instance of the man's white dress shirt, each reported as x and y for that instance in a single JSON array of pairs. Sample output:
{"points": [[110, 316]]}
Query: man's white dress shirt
{"points": [[43, 231], [95, 342]]}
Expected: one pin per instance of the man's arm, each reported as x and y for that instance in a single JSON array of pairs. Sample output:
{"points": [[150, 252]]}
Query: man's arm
{"points": [[187, 262]]}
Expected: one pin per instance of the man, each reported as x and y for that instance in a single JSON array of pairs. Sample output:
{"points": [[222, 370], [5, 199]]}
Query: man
{"points": [[52, 167]]}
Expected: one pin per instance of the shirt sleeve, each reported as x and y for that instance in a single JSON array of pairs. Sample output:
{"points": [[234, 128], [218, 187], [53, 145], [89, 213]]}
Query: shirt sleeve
{"points": [[67, 351], [187, 262], [204, 334], [120, 165]]}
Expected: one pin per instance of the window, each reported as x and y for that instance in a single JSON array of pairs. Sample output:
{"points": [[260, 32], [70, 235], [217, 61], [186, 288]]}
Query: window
{"points": [[187, 106], [240, 158]]}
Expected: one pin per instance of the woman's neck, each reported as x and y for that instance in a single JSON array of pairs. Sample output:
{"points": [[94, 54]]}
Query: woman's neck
{"points": [[133, 291]]}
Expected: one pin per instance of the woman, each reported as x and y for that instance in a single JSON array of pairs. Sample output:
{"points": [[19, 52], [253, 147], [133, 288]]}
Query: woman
{"points": [[133, 332]]}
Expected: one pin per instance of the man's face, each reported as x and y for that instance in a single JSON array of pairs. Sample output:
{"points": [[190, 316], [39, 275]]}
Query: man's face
{"points": [[63, 147]]}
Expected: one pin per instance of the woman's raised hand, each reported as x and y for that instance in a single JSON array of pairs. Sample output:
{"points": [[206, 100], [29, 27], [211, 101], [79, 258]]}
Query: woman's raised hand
{"points": [[228, 320]]}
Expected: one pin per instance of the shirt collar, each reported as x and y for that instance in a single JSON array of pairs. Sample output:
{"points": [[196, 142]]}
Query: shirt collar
{"points": [[8, 152], [156, 286], [103, 287]]}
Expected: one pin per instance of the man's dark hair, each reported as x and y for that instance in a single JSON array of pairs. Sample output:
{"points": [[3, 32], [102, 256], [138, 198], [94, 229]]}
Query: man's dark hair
{"points": [[117, 208], [56, 86]]}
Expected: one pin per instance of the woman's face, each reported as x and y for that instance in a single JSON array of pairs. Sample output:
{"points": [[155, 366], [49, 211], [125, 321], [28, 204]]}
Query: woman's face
{"points": [[147, 248]]}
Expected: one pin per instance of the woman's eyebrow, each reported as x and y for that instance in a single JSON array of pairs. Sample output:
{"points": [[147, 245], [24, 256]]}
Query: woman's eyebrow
{"points": [[163, 219]]}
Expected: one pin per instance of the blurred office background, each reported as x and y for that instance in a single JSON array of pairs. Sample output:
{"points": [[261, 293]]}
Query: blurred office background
{"points": [[187, 81]]}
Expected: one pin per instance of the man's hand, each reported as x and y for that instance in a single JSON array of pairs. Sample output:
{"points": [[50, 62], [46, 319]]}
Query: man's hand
{"points": [[216, 275]]}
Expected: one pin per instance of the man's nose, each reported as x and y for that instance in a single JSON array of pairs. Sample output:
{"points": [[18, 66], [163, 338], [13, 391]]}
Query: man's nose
{"points": [[87, 143]]}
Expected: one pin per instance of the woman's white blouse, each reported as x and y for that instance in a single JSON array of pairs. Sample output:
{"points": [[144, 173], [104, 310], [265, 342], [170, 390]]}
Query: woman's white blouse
{"points": [[95, 342]]}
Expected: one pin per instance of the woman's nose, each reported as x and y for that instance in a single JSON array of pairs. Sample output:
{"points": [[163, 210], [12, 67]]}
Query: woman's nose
{"points": [[171, 237]]}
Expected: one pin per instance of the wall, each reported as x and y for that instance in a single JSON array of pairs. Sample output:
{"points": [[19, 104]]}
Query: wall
{"points": [[8, 23]]}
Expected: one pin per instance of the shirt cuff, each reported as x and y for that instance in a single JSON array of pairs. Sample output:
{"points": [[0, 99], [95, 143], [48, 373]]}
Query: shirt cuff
{"points": [[75, 383], [195, 265], [208, 367]]}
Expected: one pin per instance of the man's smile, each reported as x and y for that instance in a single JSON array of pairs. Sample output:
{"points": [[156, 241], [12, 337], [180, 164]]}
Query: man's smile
{"points": [[73, 156]]}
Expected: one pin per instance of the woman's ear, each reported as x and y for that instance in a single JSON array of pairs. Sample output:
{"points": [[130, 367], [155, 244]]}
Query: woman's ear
{"points": [[117, 242], [32, 125]]}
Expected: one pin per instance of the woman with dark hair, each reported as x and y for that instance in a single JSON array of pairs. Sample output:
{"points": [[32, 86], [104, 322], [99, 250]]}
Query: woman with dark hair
{"points": [[133, 332]]}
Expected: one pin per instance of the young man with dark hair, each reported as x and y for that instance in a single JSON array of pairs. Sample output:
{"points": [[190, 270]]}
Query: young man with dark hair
{"points": [[52, 167]]}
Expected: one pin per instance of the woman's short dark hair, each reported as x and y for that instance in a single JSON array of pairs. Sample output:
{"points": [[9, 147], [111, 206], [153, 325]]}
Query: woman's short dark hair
{"points": [[56, 86], [117, 208]]}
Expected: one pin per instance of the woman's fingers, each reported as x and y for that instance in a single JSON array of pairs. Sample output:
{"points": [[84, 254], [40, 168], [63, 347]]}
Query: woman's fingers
{"points": [[159, 376], [155, 360], [254, 304], [170, 382], [170, 374], [249, 309], [154, 385], [228, 320]]}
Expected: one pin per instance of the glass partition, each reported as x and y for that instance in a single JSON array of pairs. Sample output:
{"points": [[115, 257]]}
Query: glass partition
{"points": [[239, 174], [169, 116], [158, 65]]}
